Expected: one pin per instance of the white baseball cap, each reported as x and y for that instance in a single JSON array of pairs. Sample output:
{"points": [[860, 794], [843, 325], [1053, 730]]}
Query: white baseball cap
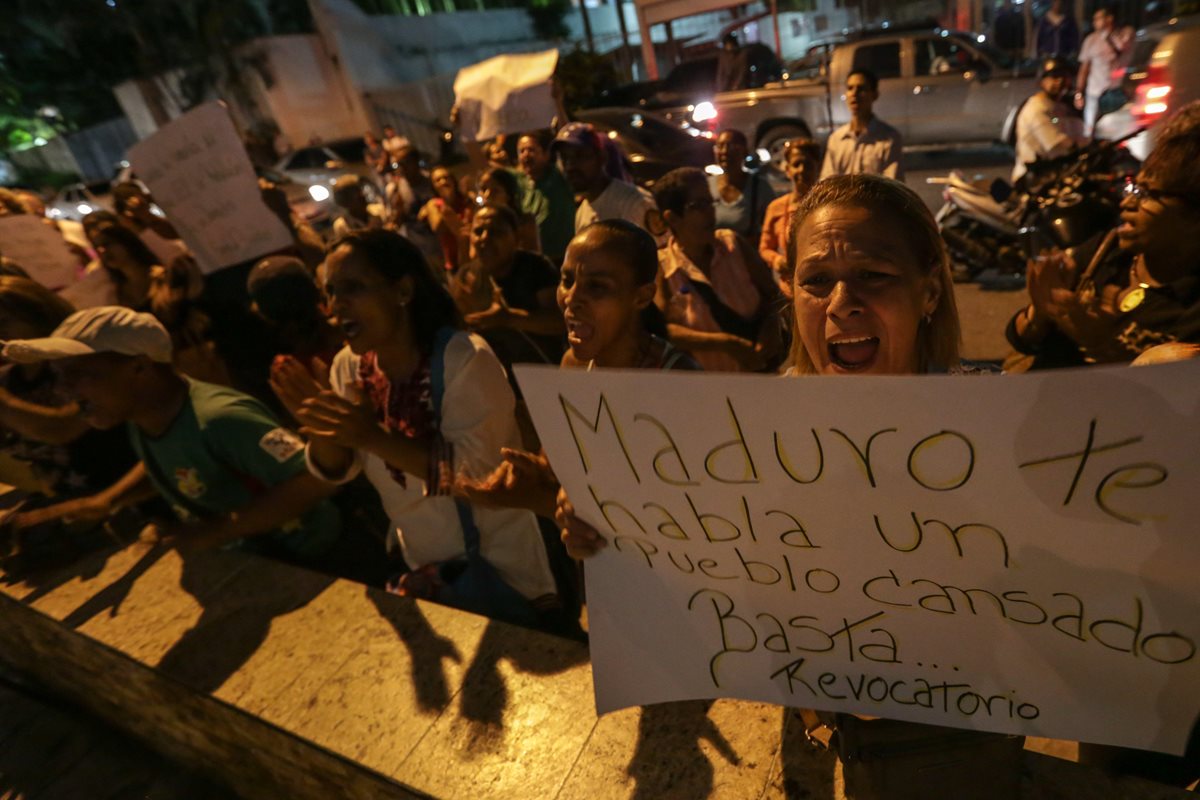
{"points": [[104, 329]]}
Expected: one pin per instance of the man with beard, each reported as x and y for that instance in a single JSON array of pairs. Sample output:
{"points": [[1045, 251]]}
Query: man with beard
{"points": [[595, 169]]}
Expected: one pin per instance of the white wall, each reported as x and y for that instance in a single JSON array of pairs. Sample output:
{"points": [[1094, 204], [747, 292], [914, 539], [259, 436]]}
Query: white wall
{"points": [[381, 52]]}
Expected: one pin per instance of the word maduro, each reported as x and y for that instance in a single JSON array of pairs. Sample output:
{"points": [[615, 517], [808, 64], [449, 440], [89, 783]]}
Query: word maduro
{"points": [[938, 461]]}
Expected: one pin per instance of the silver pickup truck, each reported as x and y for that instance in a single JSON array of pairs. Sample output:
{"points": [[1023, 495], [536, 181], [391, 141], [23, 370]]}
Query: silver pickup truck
{"points": [[936, 87]]}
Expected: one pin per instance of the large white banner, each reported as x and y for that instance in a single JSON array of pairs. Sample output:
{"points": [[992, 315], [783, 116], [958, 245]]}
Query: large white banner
{"points": [[1005, 553], [505, 94], [198, 171], [37, 246]]}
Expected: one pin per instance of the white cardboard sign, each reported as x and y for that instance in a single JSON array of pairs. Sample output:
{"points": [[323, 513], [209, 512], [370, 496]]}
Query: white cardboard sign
{"points": [[505, 94], [1004, 553], [198, 171], [39, 249]]}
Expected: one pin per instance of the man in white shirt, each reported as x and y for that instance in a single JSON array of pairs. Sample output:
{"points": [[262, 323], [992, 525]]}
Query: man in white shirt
{"points": [[866, 144], [393, 143], [593, 171], [1046, 127], [1105, 49]]}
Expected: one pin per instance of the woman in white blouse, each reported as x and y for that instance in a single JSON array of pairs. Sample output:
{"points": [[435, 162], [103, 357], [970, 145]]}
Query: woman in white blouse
{"points": [[416, 402]]}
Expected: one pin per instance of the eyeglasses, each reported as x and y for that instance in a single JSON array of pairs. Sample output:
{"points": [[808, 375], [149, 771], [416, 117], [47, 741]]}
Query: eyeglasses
{"points": [[1142, 192]]}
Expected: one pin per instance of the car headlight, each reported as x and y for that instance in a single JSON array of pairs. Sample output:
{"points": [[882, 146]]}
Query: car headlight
{"points": [[318, 193], [83, 208], [703, 112]]}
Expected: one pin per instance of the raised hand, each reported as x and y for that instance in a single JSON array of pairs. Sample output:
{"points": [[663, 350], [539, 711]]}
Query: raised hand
{"points": [[581, 540], [522, 480]]}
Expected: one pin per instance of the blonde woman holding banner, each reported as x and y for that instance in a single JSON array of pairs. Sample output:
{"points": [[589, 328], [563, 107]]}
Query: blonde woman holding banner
{"points": [[872, 295]]}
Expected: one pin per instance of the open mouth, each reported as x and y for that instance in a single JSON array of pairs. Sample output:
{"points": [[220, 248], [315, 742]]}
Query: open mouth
{"points": [[855, 353], [578, 333], [350, 329]]}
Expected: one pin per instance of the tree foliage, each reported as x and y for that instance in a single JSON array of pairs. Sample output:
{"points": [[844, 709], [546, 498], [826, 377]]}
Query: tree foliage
{"points": [[68, 54], [548, 18]]}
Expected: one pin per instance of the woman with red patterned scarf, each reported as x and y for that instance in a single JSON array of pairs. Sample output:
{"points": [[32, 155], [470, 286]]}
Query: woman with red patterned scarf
{"points": [[415, 402]]}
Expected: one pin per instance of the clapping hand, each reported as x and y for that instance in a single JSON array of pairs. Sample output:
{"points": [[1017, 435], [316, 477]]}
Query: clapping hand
{"points": [[349, 423], [1050, 279], [1088, 318], [497, 315], [293, 384]]}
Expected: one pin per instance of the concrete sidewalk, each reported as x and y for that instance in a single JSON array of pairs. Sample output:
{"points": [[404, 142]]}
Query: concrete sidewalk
{"points": [[286, 683]]}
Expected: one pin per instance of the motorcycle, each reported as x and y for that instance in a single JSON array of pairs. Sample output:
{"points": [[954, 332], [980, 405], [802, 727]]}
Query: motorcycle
{"points": [[992, 230]]}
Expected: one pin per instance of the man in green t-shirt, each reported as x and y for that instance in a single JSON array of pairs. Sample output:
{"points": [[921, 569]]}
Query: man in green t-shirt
{"points": [[231, 473], [558, 227]]}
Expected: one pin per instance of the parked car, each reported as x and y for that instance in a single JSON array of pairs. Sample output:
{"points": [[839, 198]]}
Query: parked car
{"points": [[1163, 76], [323, 164], [936, 87], [75, 201], [654, 147], [313, 203]]}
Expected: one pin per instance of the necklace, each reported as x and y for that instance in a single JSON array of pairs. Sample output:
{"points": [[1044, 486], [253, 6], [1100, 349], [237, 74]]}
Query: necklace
{"points": [[1136, 293]]}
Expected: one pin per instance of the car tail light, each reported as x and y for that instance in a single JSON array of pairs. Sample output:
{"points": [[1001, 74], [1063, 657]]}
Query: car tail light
{"points": [[1152, 96]]}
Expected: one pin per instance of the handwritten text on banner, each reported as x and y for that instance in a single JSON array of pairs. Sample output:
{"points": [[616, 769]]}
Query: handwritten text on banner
{"points": [[39, 249], [198, 171], [1006, 553]]}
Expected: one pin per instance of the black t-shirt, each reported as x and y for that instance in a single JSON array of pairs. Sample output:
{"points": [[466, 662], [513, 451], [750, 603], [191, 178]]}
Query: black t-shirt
{"points": [[530, 275]]}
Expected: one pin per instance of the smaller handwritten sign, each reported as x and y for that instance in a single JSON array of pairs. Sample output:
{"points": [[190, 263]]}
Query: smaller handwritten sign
{"points": [[199, 173], [505, 94], [39, 249]]}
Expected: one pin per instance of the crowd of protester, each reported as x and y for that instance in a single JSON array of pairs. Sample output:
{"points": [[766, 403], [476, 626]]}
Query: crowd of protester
{"points": [[268, 406]]}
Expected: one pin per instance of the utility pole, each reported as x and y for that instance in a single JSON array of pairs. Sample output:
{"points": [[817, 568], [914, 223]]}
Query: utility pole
{"points": [[626, 54], [587, 26]]}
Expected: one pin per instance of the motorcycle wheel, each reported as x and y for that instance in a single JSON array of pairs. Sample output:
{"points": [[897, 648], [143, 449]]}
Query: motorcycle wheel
{"points": [[967, 258]]}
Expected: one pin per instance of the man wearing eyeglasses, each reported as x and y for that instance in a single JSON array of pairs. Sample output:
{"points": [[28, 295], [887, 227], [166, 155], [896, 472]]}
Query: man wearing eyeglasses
{"points": [[1141, 288], [1046, 126]]}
